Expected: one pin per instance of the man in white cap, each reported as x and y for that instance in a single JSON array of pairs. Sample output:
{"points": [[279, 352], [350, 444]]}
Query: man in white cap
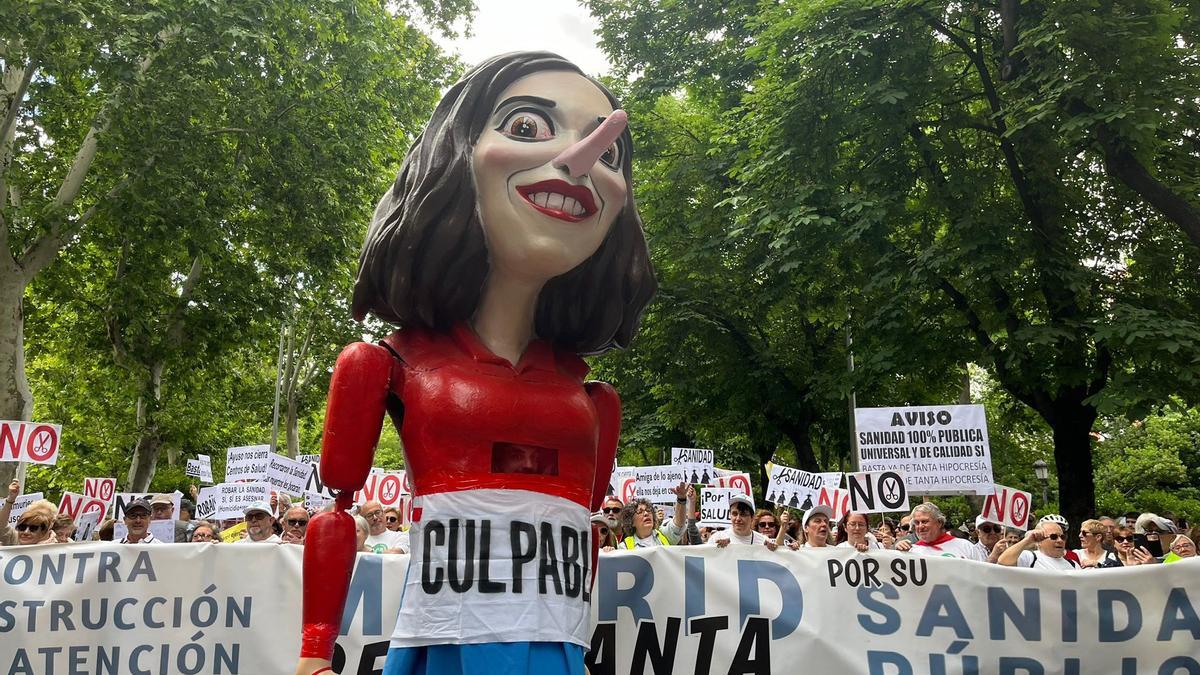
{"points": [[991, 538], [741, 517], [816, 526], [929, 524], [260, 524]]}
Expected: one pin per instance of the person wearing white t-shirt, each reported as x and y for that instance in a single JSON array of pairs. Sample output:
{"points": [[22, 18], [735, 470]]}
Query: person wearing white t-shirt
{"points": [[1051, 544], [741, 518], [929, 524], [381, 539], [260, 524]]}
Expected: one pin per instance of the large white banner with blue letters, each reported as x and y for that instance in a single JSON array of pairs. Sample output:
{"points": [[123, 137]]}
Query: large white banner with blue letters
{"points": [[192, 608]]}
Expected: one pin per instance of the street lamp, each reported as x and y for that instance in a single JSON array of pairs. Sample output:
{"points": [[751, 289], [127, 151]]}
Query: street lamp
{"points": [[1042, 470]]}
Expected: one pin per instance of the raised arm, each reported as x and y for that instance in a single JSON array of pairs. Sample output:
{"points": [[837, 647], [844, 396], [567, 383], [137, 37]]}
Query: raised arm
{"points": [[353, 420]]}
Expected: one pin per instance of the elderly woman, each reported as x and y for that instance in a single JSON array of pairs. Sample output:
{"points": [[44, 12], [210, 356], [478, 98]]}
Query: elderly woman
{"points": [[1093, 555], [1183, 547], [1127, 553], [642, 528], [204, 532], [35, 526]]}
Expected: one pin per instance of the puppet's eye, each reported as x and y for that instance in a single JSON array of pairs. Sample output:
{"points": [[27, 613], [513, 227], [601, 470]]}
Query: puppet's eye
{"points": [[527, 125], [611, 157]]}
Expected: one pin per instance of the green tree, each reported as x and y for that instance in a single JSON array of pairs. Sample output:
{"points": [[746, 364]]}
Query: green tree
{"points": [[967, 176]]}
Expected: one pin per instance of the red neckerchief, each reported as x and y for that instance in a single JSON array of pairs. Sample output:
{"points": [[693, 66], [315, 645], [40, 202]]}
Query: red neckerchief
{"points": [[946, 536]]}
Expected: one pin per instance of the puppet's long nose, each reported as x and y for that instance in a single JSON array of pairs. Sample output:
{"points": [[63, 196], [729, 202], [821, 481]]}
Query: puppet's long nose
{"points": [[579, 158]]}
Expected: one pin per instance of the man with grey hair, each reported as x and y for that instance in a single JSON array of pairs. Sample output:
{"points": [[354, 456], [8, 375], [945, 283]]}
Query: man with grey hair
{"points": [[929, 524]]}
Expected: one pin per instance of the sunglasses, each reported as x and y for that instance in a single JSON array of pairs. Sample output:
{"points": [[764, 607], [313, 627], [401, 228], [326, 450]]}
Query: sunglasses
{"points": [[297, 522], [28, 527], [904, 528], [1089, 534], [1056, 537], [393, 519], [1122, 539], [988, 529], [765, 524], [611, 509]]}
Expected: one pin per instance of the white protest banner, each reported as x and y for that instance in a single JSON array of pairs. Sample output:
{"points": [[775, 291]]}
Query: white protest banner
{"points": [[748, 608], [793, 488], [104, 489], [32, 442], [288, 475], [22, 502], [246, 463], [940, 449], [75, 505], [877, 492], [234, 498], [836, 499], [714, 507], [385, 488], [85, 526], [309, 458], [658, 483], [833, 479], [314, 501], [201, 468], [737, 480], [206, 503], [1009, 507], [697, 464]]}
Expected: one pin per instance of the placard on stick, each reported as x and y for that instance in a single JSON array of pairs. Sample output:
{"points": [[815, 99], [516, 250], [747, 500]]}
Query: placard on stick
{"points": [[1009, 507], [877, 492], [697, 464], [714, 506], [940, 449]]}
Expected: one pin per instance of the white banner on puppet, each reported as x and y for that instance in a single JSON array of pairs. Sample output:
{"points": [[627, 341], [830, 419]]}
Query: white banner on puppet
{"points": [[1009, 507], [697, 464], [288, 475], [714, 507], [20, 505], [794, 488], [201, 468], [32, 442], [658, 483], [247, 463], [941, 449], [747, 608]]}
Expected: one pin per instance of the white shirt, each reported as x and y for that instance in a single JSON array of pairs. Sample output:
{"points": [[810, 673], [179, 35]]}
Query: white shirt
{"points": [[872, 543], [387, 540], [755, 538], [950, 548], [148, 539], [1044, 562], [273, 539]]}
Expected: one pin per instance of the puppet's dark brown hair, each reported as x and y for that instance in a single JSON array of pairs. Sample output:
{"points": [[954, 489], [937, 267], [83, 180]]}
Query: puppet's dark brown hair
{"points": [[425, 259]]}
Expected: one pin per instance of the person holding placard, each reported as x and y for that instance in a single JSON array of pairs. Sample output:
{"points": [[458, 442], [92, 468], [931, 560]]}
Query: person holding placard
{"points": [[644, 528], [6, 507]]}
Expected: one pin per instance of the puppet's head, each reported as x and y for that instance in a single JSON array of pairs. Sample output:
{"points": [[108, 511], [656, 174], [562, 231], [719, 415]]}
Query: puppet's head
{"points": [[488, 149]]}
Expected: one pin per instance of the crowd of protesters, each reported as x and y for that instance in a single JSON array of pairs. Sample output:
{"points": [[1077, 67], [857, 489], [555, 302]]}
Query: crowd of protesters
{"points": [[1104, 542]]}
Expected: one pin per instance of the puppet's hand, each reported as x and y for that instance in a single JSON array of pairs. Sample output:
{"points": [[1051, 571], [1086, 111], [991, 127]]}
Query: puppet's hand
{"points": [[314, 667]]}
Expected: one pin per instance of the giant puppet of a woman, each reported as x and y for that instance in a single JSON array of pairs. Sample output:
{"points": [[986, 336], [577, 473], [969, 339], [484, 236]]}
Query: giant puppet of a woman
{"points": [[508, 247]]}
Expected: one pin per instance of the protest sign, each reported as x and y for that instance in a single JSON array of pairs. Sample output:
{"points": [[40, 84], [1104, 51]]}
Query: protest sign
{"points": [[246, 463], [234, 533], [1009, 507], [617, 479], [206, 503], [739, 481], [886, 613], [288, 475], [877, 492], [697, 464], [201, 468], [315, 485], [714, 507], [832, 479], [85, 526], [314, 501], [104, 489], [940, 449], [32, 442], [627, 491], [836, 499], [309, 458], [793, 488], [385, 488], [22, 502], [234, 498], [74, 505], [658, 483]]}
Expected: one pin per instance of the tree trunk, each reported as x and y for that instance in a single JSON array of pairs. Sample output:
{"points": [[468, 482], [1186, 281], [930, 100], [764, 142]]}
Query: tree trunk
{"points": [[293, 427], [1072, 427], [149, 443], [16, 401]]}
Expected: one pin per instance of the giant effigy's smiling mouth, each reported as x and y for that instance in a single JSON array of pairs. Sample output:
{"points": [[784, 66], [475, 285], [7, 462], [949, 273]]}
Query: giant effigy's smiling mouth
{"points": [[560, 199]]}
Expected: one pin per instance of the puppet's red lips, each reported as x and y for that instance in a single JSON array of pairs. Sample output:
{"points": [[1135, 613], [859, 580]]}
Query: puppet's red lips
{"points": [[560, 199]]}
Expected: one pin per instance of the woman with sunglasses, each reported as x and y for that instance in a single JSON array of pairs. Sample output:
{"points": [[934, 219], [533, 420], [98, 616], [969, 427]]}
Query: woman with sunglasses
{"points": [[1093, 555], [1127, 553], [35, 527], [766, 522]]}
